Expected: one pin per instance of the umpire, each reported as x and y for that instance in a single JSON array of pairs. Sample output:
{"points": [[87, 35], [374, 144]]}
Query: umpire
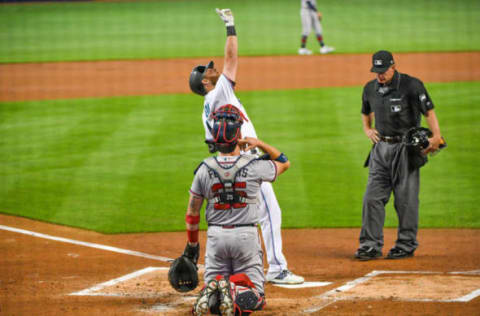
{"points": [[395, 102]]}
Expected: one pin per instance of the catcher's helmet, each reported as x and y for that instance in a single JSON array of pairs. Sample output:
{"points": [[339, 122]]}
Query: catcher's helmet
{"points": [[226, 127], [196, 77]]}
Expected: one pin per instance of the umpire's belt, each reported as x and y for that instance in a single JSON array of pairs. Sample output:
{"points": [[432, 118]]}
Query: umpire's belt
{"points": [[234, 226], [391, 139]]}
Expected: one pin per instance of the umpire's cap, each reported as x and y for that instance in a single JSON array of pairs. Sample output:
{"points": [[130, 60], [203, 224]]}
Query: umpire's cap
{"points": [[381, 61], [196, 78]]}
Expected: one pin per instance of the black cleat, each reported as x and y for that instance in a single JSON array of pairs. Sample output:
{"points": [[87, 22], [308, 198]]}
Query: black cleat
{"points": [[398, 253], [367, 253]]}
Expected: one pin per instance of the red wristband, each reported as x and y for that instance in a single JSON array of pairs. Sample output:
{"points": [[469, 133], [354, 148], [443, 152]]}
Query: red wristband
{"points": [[192, 220], [192, 235]]}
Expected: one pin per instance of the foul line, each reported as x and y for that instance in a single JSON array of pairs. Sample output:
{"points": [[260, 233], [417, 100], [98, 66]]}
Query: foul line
{"points": [[303, 285], [86, 244], [98, 287]]}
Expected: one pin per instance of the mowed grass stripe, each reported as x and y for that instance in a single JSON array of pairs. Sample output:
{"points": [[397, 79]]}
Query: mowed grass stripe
{"points": [[452, 178], [46, 178], [113, 162], [126, 164], [66, 31], [166, 165]]}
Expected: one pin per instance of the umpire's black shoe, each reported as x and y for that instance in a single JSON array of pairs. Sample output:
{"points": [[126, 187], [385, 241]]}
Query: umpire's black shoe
{"points": [[398, 253], [367, 253]]}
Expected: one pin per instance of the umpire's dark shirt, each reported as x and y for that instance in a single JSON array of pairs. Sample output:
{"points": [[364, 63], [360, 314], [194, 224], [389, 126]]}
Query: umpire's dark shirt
{"points": [[397, 106]]}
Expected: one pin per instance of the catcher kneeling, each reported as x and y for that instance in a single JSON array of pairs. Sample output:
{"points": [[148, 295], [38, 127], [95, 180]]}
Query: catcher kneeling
{"points": [[230, 182]]}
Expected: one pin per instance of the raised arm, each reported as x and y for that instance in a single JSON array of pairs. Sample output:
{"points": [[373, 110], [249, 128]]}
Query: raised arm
{"points": [[231, 46]]}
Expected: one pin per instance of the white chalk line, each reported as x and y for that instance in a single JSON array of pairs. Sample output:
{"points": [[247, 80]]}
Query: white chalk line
{"points": [[325, 296], [86, 244], [473, 272], [351, 284], [318, 308], [303, 285], [92, 291]]}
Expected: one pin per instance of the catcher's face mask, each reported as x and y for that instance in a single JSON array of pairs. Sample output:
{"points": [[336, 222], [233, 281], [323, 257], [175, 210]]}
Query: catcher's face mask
{"points": [[226, 128]]}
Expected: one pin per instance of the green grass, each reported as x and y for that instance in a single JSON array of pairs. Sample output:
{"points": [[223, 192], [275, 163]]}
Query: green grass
{"points": [[186, 28], [125, 164]]}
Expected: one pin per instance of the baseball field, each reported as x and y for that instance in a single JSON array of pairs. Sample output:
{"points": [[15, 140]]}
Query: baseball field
{"points": [[100, 134]]}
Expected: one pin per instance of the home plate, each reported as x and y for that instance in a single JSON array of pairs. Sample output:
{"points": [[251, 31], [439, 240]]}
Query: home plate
{"points": [[303, 285]]}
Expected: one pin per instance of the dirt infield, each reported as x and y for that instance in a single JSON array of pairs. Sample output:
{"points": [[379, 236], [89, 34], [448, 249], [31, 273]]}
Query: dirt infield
{"points": [[43, 81], [47, 269], [38, 275]]}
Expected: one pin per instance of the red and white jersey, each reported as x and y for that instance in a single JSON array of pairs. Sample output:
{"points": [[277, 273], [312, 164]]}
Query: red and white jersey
{"points": [[223, 94], [250, 178]]}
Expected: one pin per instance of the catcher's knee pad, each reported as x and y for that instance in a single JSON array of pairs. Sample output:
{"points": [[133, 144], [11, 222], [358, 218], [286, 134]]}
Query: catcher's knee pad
{"points": [[242, 279]]}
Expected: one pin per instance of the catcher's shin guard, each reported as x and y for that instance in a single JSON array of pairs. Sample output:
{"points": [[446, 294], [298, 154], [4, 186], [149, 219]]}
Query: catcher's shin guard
{"points": [[248, 300], [227, 295], [238, 296], [201, 305]]}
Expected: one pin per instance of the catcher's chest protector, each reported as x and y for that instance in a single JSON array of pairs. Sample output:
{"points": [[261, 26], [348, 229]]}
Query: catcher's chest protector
{"points": [[228, 193]]}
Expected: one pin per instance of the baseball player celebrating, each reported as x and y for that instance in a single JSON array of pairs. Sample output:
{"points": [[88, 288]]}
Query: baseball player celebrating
{"points": [[311, 17], [218, 90], [230, 182]]}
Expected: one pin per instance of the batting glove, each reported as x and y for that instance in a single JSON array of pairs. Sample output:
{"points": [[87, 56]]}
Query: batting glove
{"points": [[226, 15]]}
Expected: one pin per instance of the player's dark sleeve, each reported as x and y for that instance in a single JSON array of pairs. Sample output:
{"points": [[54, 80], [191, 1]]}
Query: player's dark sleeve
{"points": [[419, 96], [311, 6], [366, 109]]}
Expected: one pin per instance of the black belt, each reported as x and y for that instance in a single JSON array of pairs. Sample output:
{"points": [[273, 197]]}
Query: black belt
{"points": [[391, 139], [234, 226]]}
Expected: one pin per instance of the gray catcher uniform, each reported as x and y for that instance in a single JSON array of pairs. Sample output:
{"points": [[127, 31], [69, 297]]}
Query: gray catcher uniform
{"points": [[233, 244]]}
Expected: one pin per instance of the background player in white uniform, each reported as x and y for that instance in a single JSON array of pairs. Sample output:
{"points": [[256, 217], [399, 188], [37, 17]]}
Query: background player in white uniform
{"points": [[311, 17], [218, 91], [234, 278]]}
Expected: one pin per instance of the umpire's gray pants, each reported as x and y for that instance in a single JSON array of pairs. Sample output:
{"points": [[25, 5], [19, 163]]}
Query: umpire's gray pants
{"points": [[388, 171]]}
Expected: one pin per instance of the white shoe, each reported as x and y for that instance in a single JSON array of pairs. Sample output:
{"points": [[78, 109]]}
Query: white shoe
{"points": [[304, 51], [285, 277], [326, 49]]}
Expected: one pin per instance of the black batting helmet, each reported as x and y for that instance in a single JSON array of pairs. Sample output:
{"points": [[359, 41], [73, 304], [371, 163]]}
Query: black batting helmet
{"points": [[226, 127], [196, 77]]}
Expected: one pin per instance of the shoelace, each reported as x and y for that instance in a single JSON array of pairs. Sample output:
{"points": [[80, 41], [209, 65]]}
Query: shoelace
{"points": [[283, 274]]}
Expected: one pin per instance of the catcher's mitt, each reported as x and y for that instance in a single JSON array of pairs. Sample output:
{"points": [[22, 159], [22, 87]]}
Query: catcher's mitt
{"points": [[183, 275]]}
